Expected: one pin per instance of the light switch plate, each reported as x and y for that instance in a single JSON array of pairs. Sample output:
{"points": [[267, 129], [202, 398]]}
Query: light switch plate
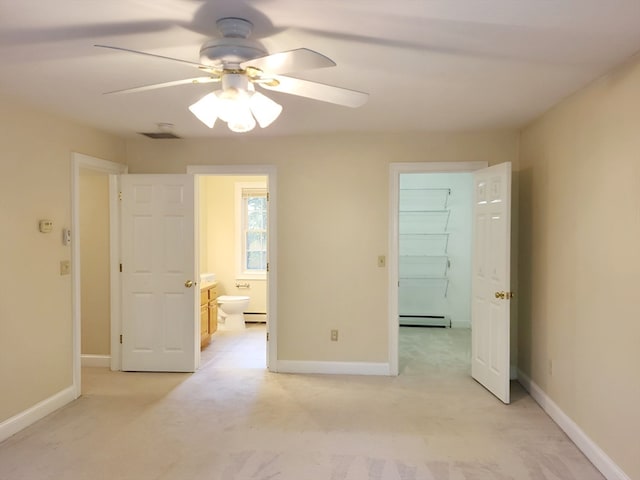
{"points": [[65, 267]]}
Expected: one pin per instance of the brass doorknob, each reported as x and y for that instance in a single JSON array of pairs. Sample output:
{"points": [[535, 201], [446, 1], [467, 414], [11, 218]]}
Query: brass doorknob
{"points": [[505, 295], [188, 284]]}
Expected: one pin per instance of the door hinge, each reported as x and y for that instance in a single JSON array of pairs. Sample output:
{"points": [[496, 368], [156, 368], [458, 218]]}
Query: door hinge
{"points": [[119, 195], [267, 196], [267, 336], [120, 268], [267, 266], [120, 338]]}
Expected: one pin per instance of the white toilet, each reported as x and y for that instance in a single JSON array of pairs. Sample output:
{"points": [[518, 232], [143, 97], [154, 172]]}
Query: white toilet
{"points": [[231, 310]]}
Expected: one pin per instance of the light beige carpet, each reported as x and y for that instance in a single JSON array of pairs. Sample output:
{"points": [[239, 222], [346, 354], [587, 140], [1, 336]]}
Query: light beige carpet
{"points": [[233, 421]]}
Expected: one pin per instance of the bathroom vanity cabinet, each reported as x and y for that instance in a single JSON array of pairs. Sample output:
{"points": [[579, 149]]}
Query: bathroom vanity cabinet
{"points": [[208, 313]]}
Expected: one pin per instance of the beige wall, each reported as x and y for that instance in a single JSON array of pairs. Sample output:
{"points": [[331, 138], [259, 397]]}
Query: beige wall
{"points": [[94, 263], [580, 261], [218, 246], [332, 223], [35, 300]]}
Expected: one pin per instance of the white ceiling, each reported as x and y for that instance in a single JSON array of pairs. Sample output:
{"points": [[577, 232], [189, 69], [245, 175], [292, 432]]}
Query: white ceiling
{"points": [[436, 65]]}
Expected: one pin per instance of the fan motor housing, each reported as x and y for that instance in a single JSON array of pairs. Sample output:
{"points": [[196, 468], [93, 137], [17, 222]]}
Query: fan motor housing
{"points": [[230, 50], [234, 47]]}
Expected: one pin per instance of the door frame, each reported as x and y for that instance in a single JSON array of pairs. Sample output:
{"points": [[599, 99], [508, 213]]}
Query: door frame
{"points": [[270, 172], [81, 161], [395, 170]]}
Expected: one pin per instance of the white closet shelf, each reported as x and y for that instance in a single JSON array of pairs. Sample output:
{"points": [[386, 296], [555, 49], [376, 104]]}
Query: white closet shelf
{"points": [[440, 234], [433, 197], [422, 210], [423, 220], [423, 277], [427, 244], [437, 286]]}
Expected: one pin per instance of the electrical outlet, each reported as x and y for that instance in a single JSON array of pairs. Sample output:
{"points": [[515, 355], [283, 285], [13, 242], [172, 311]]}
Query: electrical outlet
{"points": [[382, 261], [334, 335], [65, 267]]}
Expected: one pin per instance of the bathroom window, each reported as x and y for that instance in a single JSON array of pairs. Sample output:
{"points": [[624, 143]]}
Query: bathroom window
{"points": [[252, 232]]}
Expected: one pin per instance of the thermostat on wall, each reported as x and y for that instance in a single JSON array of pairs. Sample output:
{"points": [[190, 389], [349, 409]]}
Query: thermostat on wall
{"points": [[45, 226]]}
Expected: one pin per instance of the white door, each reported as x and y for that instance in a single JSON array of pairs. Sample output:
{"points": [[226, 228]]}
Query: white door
{"points": [[159, 292], [490, 317]]}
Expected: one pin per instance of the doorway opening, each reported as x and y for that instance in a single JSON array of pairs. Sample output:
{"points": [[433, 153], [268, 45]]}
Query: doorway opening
{"points": [[93, 166], [430, 252], [233, 253], [237, 228], [94, 185]]}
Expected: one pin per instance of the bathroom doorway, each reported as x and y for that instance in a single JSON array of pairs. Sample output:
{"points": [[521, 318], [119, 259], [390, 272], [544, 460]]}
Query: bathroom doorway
{"points": [[236, 259]]}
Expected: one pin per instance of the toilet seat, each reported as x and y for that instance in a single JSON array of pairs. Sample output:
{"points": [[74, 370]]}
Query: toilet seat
{"points": [[232, 298]]}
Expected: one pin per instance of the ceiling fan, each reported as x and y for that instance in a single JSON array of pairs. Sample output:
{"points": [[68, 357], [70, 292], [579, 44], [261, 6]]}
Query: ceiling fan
{"points": [[239, 63]]}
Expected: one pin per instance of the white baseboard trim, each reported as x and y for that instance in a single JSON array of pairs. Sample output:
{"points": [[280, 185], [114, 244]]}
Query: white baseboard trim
{"points": [[22, 420], [333, 368], [591, 450], [87, 360]]}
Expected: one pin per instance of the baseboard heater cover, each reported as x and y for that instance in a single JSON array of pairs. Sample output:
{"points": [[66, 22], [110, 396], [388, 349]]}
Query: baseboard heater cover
{"points": [[255, 317], [425, 321]]}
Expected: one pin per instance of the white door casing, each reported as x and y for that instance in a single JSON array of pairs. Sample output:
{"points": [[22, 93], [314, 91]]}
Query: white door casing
{"points": [[158, 259], [270, 172], [490, 289]]}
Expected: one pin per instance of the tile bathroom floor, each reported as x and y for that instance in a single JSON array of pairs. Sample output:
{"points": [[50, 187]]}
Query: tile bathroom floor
{"points": [[237, 348]]}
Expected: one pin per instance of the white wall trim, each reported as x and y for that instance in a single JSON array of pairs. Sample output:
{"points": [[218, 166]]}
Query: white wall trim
{"points": [[114, 267], [22, 420], [95, 360], [591, 450], [333, 368]]}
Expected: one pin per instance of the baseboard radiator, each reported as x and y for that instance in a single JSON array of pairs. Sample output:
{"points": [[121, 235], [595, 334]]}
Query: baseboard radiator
{"points": [[255, 317], [425, 321]]}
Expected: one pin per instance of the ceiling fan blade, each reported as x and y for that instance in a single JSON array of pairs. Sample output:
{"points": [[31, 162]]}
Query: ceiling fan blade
{"points": [[21, 36], [290, 61], [206, 68], [318, 91], [174, 83]]}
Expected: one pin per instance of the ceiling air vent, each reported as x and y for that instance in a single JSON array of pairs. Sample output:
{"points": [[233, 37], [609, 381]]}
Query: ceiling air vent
{"points": [[164, 132], [159, 135]]}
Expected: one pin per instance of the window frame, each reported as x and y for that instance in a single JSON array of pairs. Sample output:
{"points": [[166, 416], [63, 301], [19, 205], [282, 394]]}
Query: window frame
{"points": [[240, 241]]}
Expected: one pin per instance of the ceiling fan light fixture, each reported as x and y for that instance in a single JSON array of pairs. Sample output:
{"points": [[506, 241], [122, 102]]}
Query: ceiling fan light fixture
{"points": [[230, 101], [237, 104], [241, 121], [206, 109], [264, 109]]}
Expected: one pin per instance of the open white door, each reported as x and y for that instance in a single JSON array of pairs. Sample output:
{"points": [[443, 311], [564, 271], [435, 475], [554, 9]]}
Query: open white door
{"points": [[490, 287], [158, 273]]}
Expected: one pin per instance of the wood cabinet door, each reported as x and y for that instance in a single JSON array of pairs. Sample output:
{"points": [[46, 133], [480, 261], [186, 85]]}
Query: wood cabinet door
{"points": [[204, 321], [213, 316]]}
